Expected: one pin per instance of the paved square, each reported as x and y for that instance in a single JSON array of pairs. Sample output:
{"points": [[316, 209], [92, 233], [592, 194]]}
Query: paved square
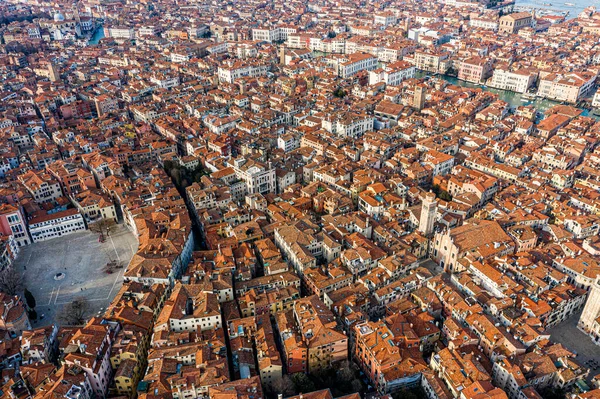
{"points": [[575, 340], [82, 259], [430, 265]]}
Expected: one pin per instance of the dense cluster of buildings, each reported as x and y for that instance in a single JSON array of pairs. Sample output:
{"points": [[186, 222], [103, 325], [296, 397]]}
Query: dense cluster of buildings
{"points": [[305, 193]]}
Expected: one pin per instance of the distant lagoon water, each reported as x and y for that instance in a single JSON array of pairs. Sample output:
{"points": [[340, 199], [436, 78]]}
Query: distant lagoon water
{"points": [[574, 7]]}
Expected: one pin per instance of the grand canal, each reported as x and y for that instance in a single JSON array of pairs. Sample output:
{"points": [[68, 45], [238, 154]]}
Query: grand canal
{"points": [[512, 98], [98, 34]]}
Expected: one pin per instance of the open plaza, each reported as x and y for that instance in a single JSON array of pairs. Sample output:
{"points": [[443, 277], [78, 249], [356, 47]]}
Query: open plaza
{"points": [[61, 270]]}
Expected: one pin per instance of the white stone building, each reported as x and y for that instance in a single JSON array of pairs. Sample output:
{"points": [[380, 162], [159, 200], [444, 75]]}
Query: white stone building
{"points": [[47, 227]]}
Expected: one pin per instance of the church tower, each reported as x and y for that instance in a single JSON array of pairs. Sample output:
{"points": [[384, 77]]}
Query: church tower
{"points": [[282, 55], [419, 99], [428, 212], [53, 72]]}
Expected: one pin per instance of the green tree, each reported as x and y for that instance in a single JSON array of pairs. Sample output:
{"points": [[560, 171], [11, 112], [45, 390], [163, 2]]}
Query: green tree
{"points": [[102, 226], [168, 165], [11, 282], [303, 383], [176, 175], [441, 194], [356, 385], [346, 372], [340, 93], [552, 393], [29, 298], [32, 314], [73, 314], [283, 385], [413, 393]]}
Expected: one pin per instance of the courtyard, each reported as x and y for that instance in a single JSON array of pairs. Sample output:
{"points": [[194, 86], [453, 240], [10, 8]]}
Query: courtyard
{"points": [[576, 341], [430, 265], [61, 270]]}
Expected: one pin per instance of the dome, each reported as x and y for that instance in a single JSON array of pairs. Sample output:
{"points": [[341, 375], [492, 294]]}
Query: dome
{"points": [[58, 17]]}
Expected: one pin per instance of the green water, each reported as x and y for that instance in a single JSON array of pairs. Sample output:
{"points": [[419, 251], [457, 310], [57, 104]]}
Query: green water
{"points": [[98, 34], [513, 99]]}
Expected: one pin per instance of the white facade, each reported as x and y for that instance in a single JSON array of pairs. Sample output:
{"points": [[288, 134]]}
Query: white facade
{"points": [[191, 324], [57, 225], [99, 375], [385, 19], [596, 100], [518, 82], [220, 125], [570, 88], [588, 321], [279, 33], [16, 223], [180, 57], [229, 73], [120, 32], [148, 30], [392, 75], [579, 230], [285, 180], [336, 46], [8, 252], [288, 142], [505, 380], [432, 62], [484, 23], [356, 64], [165, 82], [46, 192], [258, 178], [353, 127]]}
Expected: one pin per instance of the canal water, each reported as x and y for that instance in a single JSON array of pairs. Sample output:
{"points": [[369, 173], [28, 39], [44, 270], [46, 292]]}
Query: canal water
{"points": [[98, 34], [513, 99]]}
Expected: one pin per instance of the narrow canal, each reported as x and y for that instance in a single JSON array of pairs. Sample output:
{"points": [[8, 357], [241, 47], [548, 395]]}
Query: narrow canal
{"points": [[98, 34]]}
